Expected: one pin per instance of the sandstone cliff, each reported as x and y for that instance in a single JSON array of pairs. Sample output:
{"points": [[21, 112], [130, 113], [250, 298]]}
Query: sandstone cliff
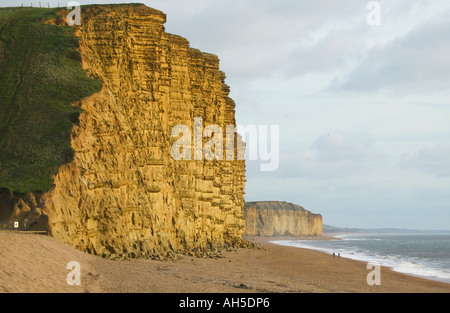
{"points": [[274, 218], [124, 195]]}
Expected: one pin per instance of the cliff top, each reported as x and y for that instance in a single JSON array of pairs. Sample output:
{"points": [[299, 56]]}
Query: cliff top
{"points": [[130, 10], [41, 76], [275, 205]]}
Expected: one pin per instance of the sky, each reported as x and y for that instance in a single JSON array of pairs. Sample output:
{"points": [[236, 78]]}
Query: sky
{"points": [[363, 108]]}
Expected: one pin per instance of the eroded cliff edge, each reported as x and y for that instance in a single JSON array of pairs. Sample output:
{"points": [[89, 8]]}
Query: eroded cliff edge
{"points": [[279, 218], [124, 195]]}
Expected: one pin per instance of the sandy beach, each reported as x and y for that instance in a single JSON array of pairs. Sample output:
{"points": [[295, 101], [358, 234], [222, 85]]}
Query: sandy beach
{"points": [[37, 263]]}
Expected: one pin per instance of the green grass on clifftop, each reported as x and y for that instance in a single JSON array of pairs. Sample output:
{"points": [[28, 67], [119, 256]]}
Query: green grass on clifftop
{"points": [[40, 76]]}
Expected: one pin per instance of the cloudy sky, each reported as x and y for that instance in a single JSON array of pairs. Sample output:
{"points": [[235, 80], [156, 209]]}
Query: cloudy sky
{"points": [[363, 110]]}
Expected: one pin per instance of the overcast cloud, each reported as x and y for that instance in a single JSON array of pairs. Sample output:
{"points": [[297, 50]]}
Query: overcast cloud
{"points": [[415, 63]]}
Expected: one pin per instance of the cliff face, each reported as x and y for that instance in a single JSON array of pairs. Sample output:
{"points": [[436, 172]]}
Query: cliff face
{"points": [[124, 195], [273, 218]]}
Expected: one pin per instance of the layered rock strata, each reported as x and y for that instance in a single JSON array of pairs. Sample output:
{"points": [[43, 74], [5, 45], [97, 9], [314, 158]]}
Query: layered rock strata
{"points": [[124, 195], [274, 218]]}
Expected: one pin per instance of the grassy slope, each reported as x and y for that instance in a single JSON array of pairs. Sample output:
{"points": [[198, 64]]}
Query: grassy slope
{"points": [[40, 76]]}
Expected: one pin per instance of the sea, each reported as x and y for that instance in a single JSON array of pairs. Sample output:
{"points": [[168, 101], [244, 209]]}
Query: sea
{"points": [[424, 255]]}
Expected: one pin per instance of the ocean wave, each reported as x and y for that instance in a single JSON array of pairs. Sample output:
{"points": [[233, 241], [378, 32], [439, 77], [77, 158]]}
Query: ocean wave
{"points": [[414, 267], [355, 238], [422, 270]]}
